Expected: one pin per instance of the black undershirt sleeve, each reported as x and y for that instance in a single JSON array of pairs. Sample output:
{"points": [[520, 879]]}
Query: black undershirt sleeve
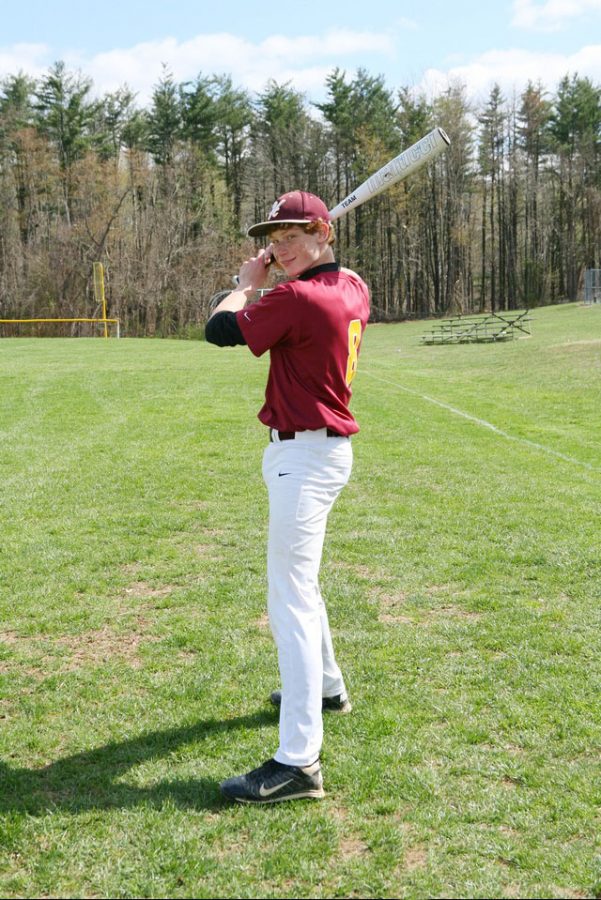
{"points": [[223, 329]]}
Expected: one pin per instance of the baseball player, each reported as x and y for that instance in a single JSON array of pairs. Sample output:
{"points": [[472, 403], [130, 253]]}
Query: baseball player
{"points": [[312, 325]]}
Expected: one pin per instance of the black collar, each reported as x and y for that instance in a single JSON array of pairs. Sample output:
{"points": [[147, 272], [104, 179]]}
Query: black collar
{"points": [[317, 270]]}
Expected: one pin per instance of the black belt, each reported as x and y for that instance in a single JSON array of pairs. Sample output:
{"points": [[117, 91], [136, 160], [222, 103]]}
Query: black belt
{"points": [[290, 435]]}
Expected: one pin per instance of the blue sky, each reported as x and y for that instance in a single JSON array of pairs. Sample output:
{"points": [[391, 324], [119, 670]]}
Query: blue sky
{"points": [[425, 46]]}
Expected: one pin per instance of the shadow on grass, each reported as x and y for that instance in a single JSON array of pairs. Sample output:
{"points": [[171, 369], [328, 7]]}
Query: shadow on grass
{"points": [[88, 780]]}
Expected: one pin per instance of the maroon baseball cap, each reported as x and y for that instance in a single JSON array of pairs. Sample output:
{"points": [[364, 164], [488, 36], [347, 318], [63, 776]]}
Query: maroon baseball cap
{"points": [[293, 208]]}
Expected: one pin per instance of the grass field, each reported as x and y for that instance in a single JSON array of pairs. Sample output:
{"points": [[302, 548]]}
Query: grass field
{"points": [[463, 577]]}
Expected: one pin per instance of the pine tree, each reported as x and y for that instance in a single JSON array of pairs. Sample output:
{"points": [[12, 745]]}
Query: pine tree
{"points": [[66, 116]]}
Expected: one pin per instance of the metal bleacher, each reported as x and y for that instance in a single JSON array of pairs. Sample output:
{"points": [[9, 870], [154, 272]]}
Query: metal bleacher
{"points": [[479, 329]]}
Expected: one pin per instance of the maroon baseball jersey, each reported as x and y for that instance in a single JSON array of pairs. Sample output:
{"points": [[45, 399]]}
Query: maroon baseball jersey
{"points": [[312, 327]]}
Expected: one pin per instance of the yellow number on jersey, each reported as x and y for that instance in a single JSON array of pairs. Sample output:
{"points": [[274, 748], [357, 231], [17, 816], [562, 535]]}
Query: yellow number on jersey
{"points": [[354, 339]]}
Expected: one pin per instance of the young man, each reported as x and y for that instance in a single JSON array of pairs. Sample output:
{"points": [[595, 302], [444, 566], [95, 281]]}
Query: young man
{"points": [[312, 325]]}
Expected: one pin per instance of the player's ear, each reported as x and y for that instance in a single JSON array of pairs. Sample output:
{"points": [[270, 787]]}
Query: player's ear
{"points": [[323, 233]]}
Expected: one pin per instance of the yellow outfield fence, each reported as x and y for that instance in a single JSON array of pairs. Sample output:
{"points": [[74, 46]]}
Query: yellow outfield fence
{"points": [[98, 281], [104, 322]]}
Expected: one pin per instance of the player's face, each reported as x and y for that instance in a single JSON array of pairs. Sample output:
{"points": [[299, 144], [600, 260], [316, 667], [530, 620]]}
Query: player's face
{"points": [[295, 250]]}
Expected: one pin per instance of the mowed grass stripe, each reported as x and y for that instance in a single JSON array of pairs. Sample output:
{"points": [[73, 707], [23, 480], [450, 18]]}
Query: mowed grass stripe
{"points": [[482, 422], [546, 388]]}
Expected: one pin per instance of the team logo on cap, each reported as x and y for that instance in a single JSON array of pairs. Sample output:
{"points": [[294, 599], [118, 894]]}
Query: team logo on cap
{"points": [[276, 208]]}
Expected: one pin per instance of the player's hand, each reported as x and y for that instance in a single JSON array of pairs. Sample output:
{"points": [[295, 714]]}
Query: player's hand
{"points": [[254, 272]]}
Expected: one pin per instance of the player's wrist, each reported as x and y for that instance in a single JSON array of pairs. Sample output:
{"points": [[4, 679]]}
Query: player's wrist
{"points": [[234, 302]]}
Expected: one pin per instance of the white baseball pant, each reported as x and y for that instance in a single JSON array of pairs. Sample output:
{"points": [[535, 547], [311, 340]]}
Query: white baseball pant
{"points": [[304, 477]]}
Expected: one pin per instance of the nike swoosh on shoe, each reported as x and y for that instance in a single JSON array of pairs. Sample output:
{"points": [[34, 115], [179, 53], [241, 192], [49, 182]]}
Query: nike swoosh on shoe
{"points": [[267, 792]]}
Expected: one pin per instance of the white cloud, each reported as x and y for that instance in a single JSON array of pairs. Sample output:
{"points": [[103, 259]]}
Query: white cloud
{"points": [[552, 14], [29, 58], [304, 60], [512, 69]]}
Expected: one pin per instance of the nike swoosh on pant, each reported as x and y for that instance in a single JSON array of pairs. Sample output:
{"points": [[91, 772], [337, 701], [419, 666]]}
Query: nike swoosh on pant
{"points": [[281, 474], [267, 792]]}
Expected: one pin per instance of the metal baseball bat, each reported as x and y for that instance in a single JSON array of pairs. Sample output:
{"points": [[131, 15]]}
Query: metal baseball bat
{"points": [[399, 168]]}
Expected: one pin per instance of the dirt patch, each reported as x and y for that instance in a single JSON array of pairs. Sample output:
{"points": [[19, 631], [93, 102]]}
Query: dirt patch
{"points": [[9, 637], [105, 645], [389, 619], [359, 569], [516, 891], [390, 609], [567, 893], [444, 612], [70, 653], [509, 781], [391, 613], [350, 847], [141, 590], [391, 601], [204, 550], [513, 748], [415, 858]]}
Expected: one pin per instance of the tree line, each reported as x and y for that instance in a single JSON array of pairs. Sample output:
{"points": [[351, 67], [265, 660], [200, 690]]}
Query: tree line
{"points": [[509, 217]]}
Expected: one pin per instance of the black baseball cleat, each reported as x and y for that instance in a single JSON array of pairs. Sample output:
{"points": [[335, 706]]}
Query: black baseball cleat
{"points": [[340, 703], [274, 781]]}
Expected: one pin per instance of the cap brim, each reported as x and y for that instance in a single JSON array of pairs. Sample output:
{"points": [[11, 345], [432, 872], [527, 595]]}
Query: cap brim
{"points": [[263, 227]]}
